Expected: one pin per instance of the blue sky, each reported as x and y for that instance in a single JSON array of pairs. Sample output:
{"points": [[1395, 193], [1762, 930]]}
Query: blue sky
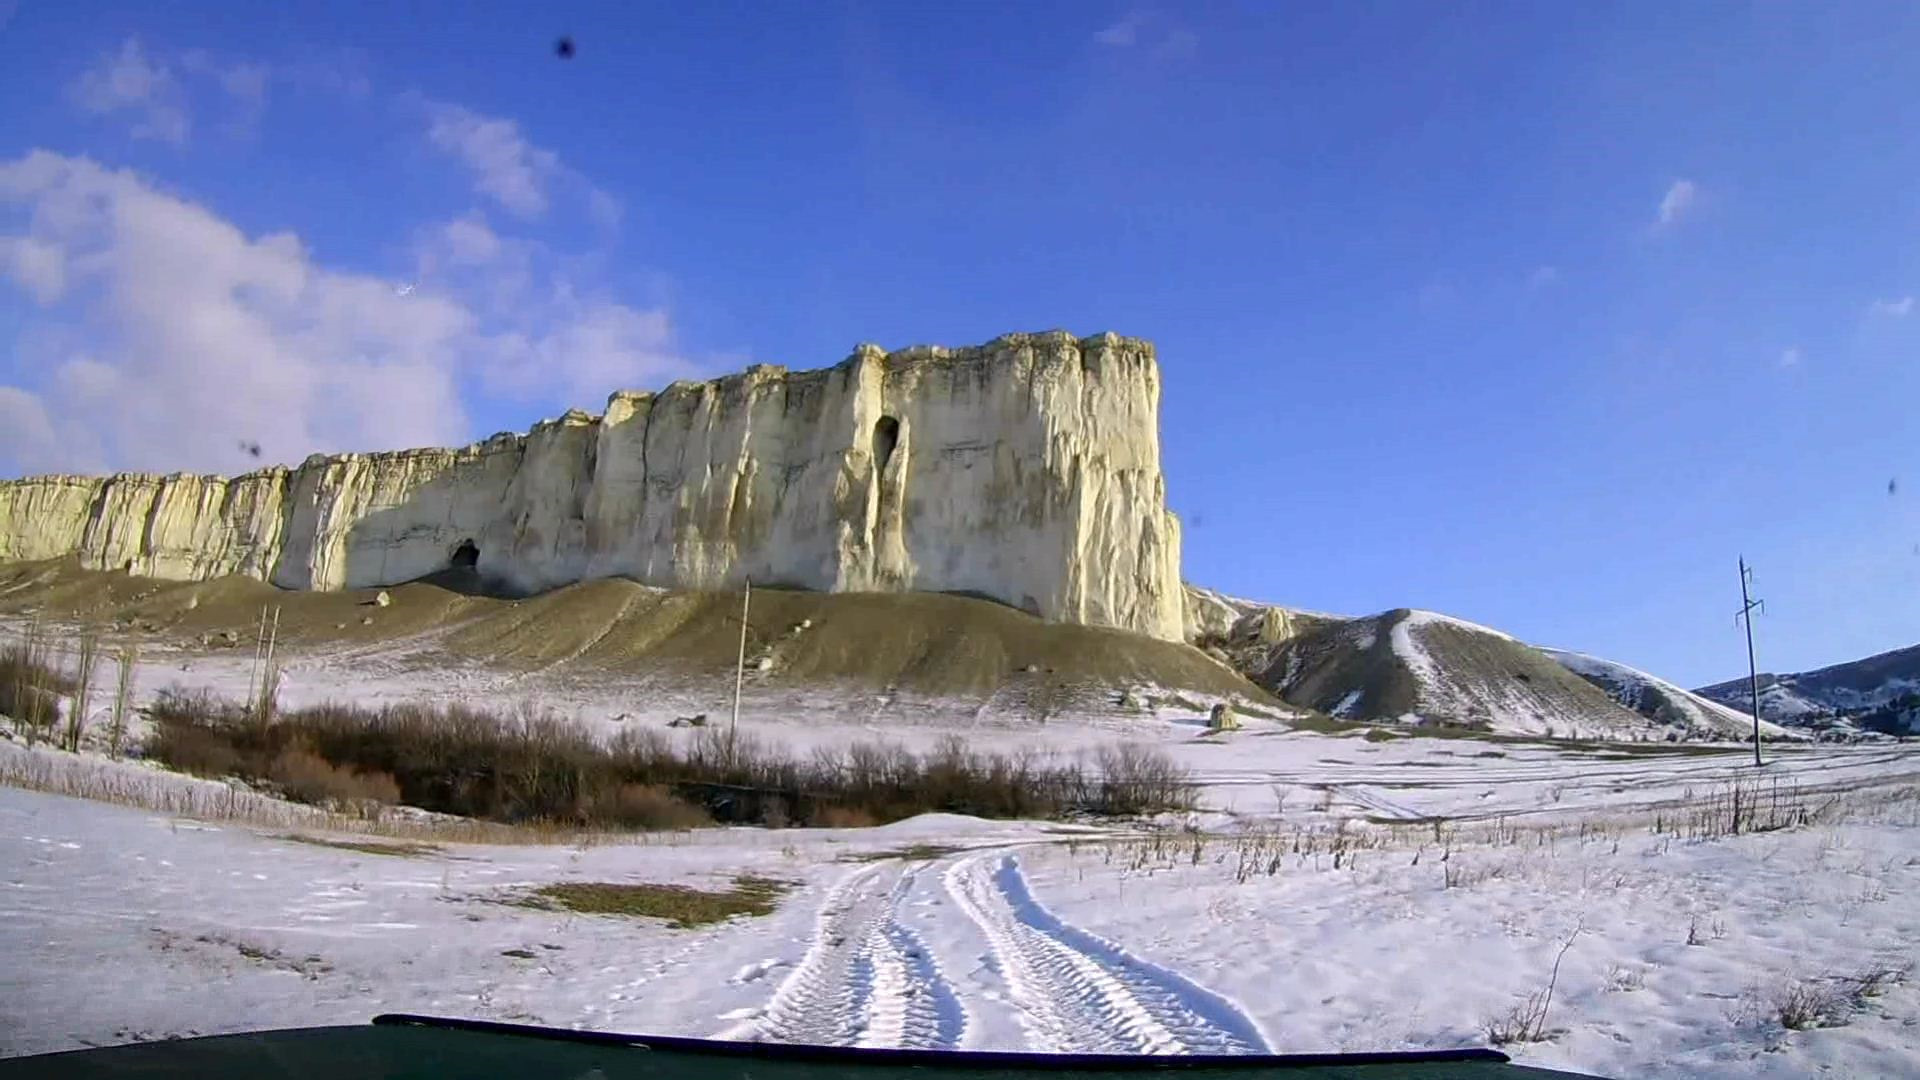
{"points": [[1538, 315]]}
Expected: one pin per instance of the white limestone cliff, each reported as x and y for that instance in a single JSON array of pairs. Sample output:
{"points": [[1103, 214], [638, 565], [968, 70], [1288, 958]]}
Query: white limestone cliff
{"points": [[1026, 470]]}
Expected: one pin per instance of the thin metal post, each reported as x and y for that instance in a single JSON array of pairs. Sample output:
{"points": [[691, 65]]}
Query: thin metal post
{"points": [[1747, 605]]}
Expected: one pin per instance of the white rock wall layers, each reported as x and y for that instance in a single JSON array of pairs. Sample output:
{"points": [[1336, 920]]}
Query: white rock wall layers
{"points": [[1026, 470]]}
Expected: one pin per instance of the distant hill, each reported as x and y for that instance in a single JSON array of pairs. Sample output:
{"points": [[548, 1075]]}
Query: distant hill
{"points": [[1421, 667], [1880, 693], [1659, 700]]}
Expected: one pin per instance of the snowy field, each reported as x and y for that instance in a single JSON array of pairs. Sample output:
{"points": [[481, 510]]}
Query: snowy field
{"points": [[952, 932], [1335, 892]]}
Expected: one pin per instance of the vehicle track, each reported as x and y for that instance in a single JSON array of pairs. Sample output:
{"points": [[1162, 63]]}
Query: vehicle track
{"points": [[866, 979], [1079, 993]]}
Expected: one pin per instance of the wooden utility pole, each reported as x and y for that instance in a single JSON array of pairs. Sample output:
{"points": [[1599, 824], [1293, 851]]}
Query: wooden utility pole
{"points": [[259, 647], [269, 678], [1747, 607], [740, 665]]}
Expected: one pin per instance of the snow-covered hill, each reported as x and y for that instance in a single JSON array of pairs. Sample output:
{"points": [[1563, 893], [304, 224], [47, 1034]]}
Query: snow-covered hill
{"points": [[1659, 700], [1422, 667], [1880, 693]]}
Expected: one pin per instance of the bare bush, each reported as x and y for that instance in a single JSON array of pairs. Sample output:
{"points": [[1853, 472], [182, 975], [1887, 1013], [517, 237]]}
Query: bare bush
{"points": [[1621, 979], [1136, 779], [31, 684], [86, 656], [531, 766], [195, 750], [647, 807], [1527, 1021], [306, 777], [1832, 1000], [122, 699], [1811, 1003]]}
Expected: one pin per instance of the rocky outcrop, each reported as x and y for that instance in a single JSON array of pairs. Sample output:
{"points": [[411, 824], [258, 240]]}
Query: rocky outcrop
{"points": [[1026, 470]]}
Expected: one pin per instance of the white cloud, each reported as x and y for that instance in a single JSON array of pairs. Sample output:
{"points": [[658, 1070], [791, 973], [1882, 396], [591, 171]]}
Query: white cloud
{"points": [[593, 347], [128, 81], [505, 166], [164, 335], [605, 210], [1790, 357], [26, 435], [39, 268], [1165, 37], [1122, 33], [244, 83], [1679, 199], [205, 335], [469, 240], [1892, 309]]}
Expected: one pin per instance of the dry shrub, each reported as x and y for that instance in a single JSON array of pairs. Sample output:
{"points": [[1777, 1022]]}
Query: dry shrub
{"points": [[842, 817], [309, 778], [532, 767], [1812, 1003], [196, 750], [31, 684], [1136, 779], [646, 806]]}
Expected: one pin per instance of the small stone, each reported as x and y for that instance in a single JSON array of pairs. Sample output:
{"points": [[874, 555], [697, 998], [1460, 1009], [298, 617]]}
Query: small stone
{"points": [[765, 663], [381, 599], [339, 626], [366, 620]]}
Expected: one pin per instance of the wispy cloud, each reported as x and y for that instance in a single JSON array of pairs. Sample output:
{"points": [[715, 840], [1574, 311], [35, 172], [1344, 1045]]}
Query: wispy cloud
{"points": [[1790, 357], [1165, 38], [1677, 202], [128, 81], [1123, 32], [505, 166], [511, 169], [1892, 309], [164, 92], [243, 83]]}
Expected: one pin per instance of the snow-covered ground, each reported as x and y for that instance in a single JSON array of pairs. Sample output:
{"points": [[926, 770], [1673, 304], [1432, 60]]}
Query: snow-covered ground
{"points": [[1022, 935], [1336, 892]]}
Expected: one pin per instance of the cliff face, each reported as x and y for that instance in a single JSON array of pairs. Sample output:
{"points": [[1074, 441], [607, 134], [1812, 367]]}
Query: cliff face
{"points": [[1026, 470]]}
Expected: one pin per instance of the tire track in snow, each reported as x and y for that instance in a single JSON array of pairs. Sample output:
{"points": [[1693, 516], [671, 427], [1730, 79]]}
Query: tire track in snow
{"points": [[1079, 993], [866, 979], [911, 1005]]}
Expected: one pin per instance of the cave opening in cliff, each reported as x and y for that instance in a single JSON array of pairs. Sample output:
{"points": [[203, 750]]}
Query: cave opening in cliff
{"points": [[886, 436], [466, 556]]}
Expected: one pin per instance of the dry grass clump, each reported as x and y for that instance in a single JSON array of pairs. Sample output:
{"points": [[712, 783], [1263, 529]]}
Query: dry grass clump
{"points": [[682, 906]]}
